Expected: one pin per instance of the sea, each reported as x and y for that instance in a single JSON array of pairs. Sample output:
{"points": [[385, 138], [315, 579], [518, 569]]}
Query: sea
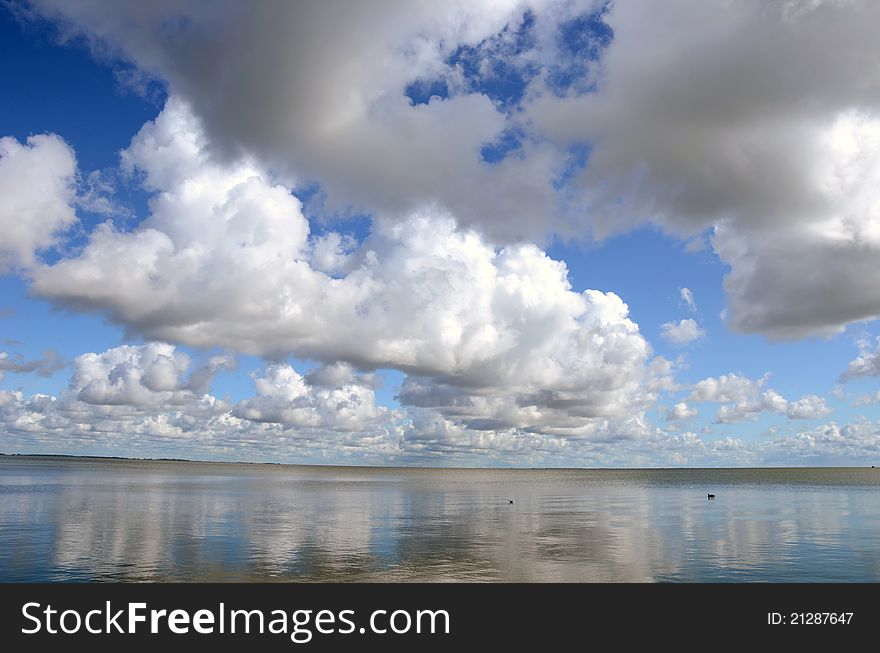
{"points": [[66, 519]]}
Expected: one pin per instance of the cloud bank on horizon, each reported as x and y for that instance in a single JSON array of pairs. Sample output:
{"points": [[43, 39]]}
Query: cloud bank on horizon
{"points": [[473, 136]]}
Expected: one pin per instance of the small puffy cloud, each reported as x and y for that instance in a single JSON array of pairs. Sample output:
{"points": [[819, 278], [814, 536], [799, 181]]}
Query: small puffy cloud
{"points": [[744, 400], [725, 388], [153, 375], [332, 398], [38, 191], [866, 364], [682, 332], [732, 413], [681, 411], [774, 402], [808, 407], [750, 408], [688, 298]]}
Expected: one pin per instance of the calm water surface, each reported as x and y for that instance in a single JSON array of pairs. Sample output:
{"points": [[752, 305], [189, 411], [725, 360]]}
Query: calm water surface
{"points": [[87, 519]]}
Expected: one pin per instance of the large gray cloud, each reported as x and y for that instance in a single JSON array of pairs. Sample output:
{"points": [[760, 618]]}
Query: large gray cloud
{"points": [[714, 110], [317, 90], [759, 122]]}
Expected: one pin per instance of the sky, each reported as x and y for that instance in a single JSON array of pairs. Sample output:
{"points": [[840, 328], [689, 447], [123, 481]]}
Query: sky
{"points": [[503, 233]]}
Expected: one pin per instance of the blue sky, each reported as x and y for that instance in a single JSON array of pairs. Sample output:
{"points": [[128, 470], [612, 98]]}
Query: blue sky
{"points": [[420, 318]]}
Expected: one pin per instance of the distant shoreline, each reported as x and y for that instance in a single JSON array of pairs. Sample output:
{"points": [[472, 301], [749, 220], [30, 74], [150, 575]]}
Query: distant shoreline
{"points": [[416, 467]]}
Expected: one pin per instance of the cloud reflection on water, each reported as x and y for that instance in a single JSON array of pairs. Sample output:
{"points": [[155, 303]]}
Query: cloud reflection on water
{"points": [[86, 520]]}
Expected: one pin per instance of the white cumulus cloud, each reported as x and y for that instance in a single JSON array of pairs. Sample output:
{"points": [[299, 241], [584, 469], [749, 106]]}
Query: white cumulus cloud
{"points": [[682, 332], [745, 399], [346, 402], [490, 336], [867, 364], [680, 411], [38, 191], [152, 375]]}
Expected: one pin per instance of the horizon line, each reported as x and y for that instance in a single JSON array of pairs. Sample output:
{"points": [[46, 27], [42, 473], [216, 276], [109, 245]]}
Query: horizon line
{"points": [[427, 467]]}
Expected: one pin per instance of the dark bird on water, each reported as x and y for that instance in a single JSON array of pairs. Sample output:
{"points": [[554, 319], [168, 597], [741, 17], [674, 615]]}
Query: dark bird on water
{"points": [[711, 496], [511, 501]]}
